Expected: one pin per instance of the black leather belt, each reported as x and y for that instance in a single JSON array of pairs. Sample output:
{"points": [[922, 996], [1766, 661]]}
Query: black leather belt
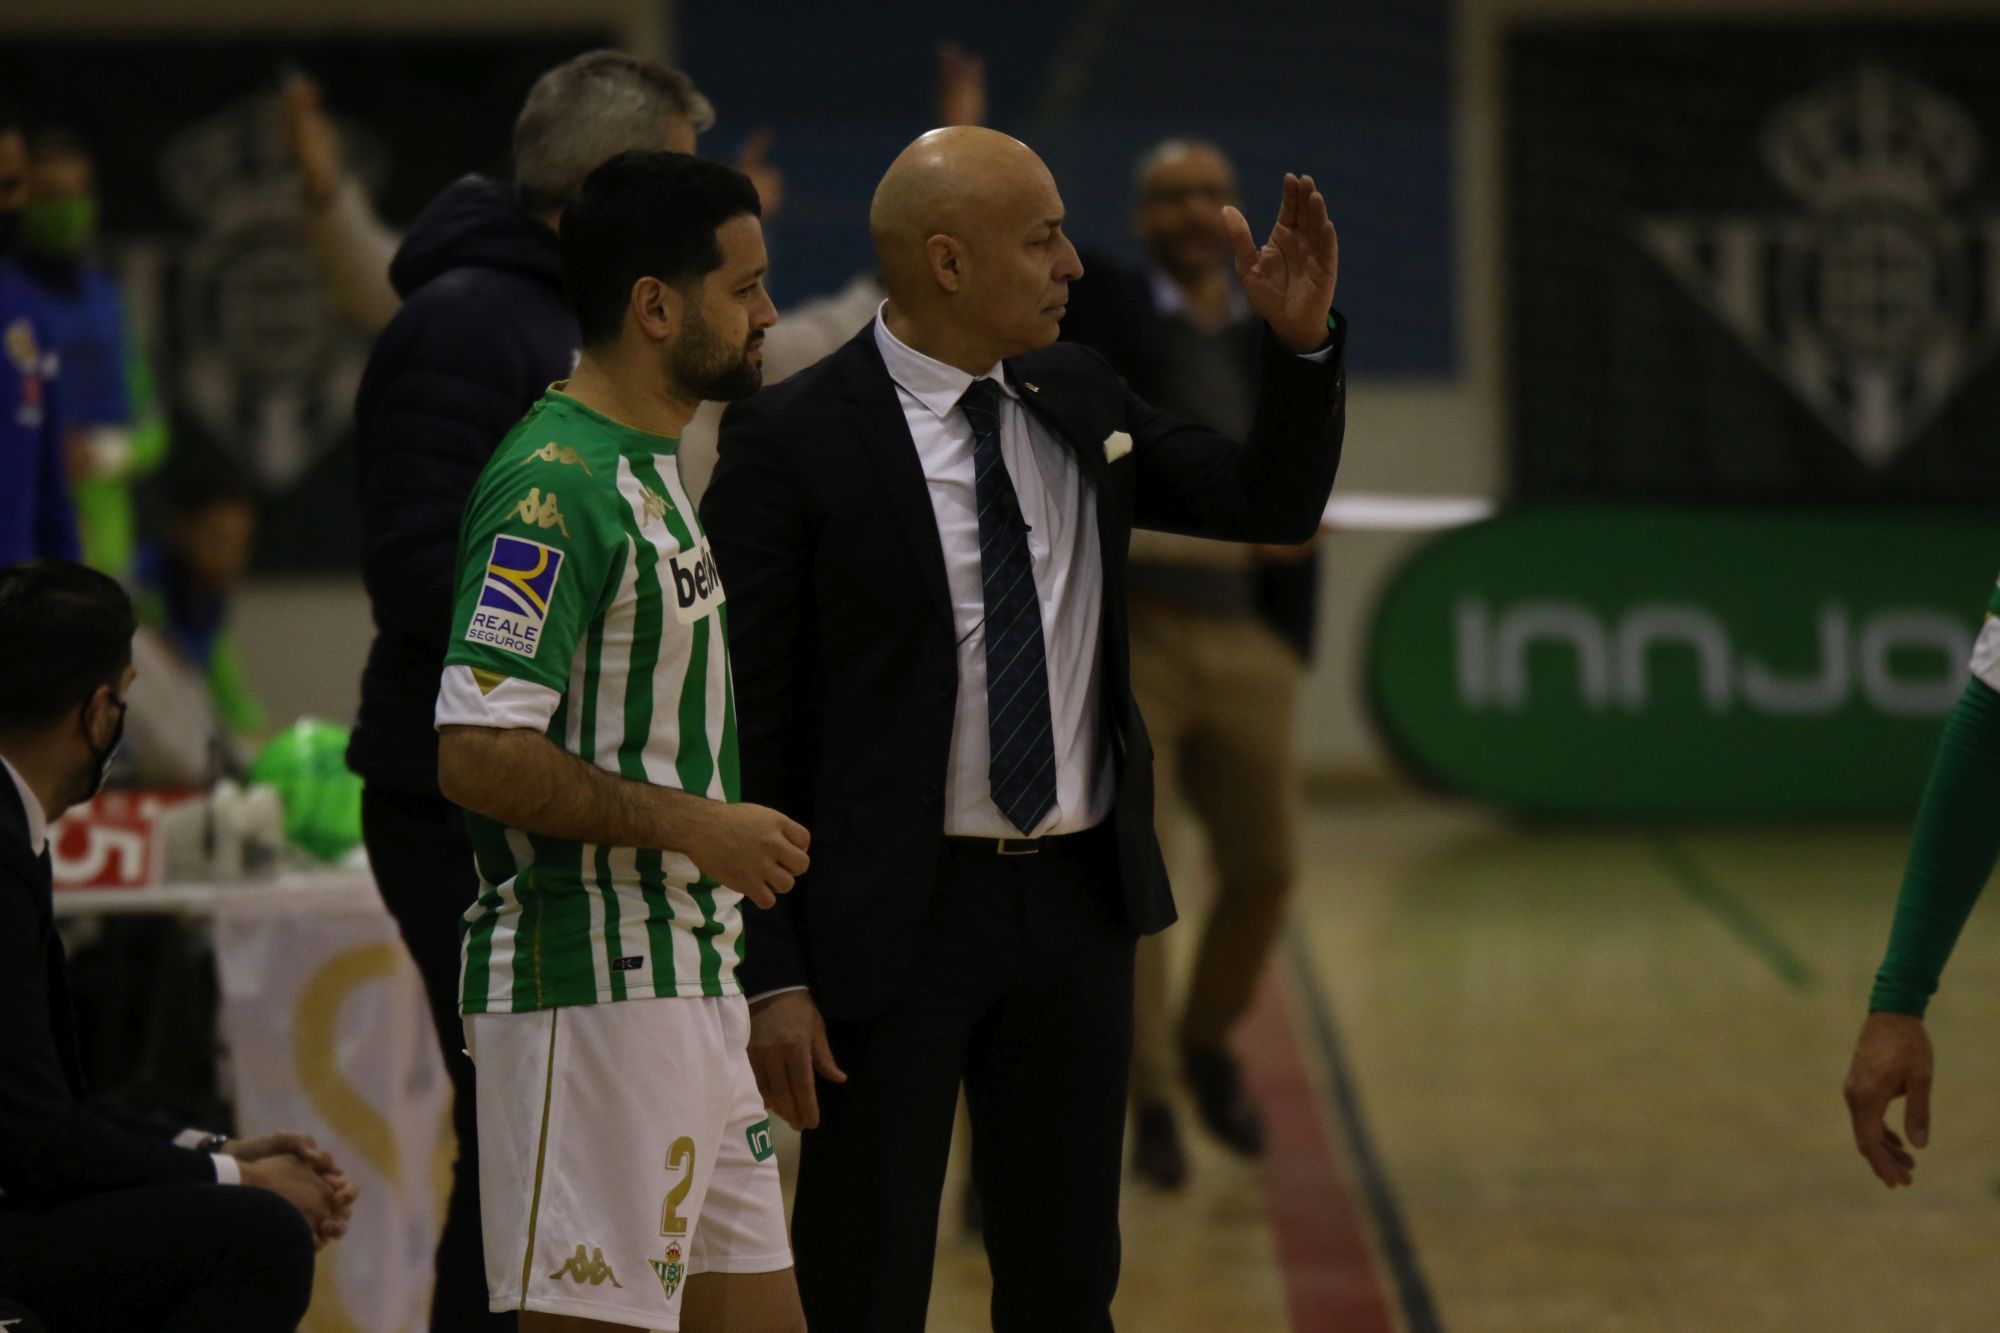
{"points": [[1055, 844]]}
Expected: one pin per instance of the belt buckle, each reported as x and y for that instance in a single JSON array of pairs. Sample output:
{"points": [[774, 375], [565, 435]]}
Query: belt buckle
{"points": [[1001, 847]]}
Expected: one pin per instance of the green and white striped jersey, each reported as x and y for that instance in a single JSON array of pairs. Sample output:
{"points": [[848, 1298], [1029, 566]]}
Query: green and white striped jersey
{"points": [[589, 609]]}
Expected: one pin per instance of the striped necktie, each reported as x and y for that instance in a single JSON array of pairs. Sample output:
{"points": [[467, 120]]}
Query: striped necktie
{"points": [[1021, 765]]}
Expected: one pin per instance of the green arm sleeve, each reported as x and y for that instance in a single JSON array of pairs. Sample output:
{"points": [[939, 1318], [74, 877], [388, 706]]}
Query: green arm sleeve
{"points": [[1953, 852], [143, 397], [239, 709]]}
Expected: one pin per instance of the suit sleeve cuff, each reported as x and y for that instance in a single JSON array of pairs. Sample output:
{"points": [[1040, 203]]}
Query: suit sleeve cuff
{"points": [[191, 1138], [228, 1171], [765, 995]]}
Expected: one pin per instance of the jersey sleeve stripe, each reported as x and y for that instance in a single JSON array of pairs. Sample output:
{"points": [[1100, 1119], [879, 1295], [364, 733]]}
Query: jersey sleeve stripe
{"points": [[642, 655], [596, 859], [694, 759]]}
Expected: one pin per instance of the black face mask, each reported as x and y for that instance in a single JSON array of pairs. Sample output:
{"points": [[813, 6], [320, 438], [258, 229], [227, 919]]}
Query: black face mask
{"points": [[100, 760]]}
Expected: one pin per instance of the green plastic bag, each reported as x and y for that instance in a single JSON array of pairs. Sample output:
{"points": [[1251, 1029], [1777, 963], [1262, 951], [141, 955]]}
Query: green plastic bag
{"points": [[307, 764]]}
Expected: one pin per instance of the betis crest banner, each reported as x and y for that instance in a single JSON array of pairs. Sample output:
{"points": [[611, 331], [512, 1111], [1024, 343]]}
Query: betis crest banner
{"points": [[1755, 261]]}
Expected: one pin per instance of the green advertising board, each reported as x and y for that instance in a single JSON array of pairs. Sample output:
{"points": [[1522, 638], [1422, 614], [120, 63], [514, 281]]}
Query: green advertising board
{"points": [[1664, 662]]}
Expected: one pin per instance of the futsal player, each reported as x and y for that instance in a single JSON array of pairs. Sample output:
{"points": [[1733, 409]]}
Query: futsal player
{"points": [[586, 723], [1956, 844]]}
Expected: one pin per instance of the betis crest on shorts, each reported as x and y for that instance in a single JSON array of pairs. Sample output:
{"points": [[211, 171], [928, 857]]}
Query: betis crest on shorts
{"points": [[514, 601], [671, 1269]]}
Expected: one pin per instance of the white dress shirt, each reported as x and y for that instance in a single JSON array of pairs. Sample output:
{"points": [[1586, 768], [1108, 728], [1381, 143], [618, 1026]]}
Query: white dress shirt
{"points": [[1059, 506], [227, 1171]]}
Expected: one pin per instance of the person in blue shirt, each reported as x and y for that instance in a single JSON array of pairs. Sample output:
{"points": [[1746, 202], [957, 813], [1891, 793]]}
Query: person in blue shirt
{"points": [[37, 516], [112, 434]]}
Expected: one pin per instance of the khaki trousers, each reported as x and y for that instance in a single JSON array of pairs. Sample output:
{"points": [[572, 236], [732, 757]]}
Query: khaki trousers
{"points": [[1220, 699]]}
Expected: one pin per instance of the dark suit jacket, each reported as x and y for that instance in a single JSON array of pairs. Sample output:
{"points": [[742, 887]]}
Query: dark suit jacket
{"points": [[843, 646], [53, 1146]]}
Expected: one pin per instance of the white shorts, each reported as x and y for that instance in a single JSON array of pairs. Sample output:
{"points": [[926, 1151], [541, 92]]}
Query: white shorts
{"points": [[623, 1148]]}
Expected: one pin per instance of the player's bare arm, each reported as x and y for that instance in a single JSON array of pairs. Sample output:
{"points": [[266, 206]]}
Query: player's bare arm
{"points": [[521, 779]]}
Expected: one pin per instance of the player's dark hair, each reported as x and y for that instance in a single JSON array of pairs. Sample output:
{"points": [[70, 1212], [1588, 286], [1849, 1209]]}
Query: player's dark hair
{"points": [[64, 630], [645, 214]]}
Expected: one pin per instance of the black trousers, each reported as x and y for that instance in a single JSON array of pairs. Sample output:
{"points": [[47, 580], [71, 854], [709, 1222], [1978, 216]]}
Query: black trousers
{"points": [[171, 1258], [1022, 992], [422, 858]]}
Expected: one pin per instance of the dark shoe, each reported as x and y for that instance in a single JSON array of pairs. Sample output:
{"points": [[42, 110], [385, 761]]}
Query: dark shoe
{"points": [[1225, 1106], [1157, 1155]]}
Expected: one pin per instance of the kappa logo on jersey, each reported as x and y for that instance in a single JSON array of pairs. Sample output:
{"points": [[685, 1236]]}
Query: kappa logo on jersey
{"points": [[657, 506], [560, 454], [697, 583], [589, 1267], [514, 603], [629, 963], [541, 511]]}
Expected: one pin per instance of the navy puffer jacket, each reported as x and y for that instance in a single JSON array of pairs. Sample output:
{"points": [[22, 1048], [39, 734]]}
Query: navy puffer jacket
{"points": [[482, 333]]}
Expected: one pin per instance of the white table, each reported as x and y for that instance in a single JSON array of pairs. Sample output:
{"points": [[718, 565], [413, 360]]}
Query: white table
{"points": [[312, 891]]}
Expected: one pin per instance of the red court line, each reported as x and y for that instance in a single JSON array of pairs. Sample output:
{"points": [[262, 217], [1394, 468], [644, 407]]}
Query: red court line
{"points": [[1331, 1281]]}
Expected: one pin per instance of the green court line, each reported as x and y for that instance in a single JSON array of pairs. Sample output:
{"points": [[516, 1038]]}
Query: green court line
{"points": [[1736, 915]]}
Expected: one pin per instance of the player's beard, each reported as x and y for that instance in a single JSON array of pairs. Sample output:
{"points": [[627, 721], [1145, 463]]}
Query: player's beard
{"points": [[712, 369]]}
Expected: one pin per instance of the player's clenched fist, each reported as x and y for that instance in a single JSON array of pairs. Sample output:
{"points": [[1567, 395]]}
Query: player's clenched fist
{"points": [[753, 849]]}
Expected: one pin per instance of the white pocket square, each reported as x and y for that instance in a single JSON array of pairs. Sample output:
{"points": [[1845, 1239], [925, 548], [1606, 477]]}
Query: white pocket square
{"points": [[1116, 445]]}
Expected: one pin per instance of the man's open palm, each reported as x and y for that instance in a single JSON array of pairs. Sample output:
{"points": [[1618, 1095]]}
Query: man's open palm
{"points": [[1290, 281]]}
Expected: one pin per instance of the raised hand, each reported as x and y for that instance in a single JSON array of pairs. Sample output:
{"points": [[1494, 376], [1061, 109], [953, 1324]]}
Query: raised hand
{"points": [[1892, 1059], [310, 139], [961, 86], [752, 159], [1290, 281]]}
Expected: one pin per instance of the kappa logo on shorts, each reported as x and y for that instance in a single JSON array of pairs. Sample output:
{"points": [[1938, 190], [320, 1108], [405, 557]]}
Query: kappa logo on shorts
{"points": [[587, 1267], [671, 1270], [759, 1136], [514, 601]]}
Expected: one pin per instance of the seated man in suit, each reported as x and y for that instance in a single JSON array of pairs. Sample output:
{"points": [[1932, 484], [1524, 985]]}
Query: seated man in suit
{"points": [[101, 1227], [924, 540]]}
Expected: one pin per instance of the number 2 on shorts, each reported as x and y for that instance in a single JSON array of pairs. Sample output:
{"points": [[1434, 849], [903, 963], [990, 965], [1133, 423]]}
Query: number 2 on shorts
{"points": [[671, 1221]]}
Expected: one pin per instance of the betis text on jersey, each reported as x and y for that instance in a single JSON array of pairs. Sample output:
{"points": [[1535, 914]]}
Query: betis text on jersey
{"points": [[589, 609]]}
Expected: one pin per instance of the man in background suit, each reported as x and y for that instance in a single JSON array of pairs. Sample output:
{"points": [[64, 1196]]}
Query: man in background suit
{"points": [[1221, 634], [102, 1227], [923, 541]]}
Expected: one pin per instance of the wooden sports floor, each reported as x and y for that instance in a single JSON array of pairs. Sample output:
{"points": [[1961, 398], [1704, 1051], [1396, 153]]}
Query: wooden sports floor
{"points": [[1575, 1078]]}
